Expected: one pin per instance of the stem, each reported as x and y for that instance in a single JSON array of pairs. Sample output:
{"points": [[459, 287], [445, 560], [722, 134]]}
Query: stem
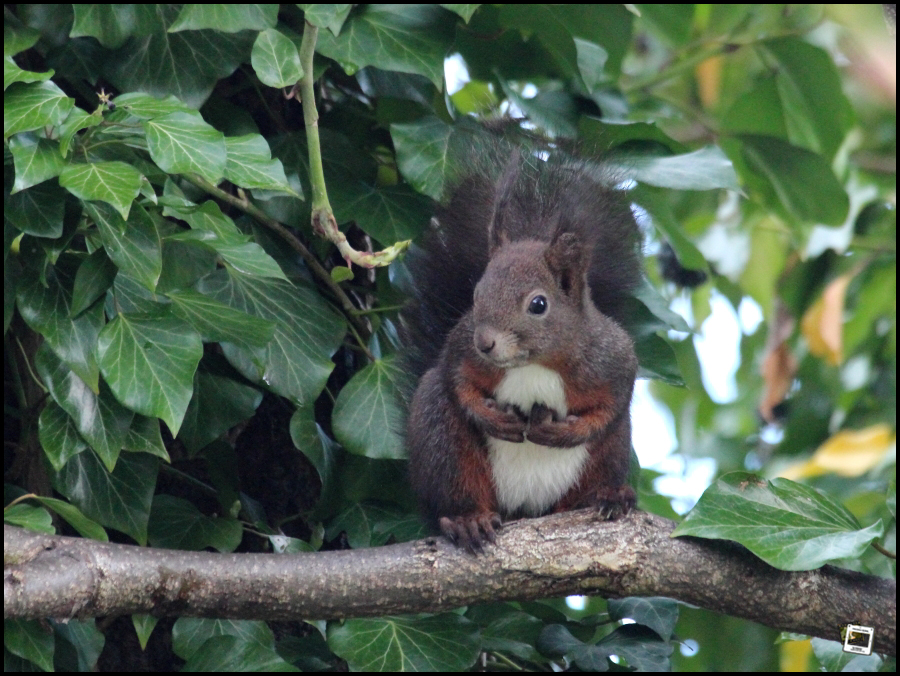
{"points": [[675, 70], [323, 221], [311, 118]]}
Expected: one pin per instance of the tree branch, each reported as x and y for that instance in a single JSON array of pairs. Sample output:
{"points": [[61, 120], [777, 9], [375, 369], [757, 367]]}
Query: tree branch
{"points": [[571, 553]]}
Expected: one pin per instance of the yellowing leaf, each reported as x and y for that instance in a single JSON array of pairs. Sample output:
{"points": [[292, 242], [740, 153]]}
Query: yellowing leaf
{"points": [[779, 364], [823, 322], [794, 655], [848, 453], [709, 80]]}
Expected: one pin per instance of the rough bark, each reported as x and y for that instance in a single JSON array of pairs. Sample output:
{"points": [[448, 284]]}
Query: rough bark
{"points": [[573, 553]]}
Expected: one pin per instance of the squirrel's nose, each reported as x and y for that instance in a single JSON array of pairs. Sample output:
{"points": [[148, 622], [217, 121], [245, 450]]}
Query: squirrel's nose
{"points": [[485, 339]]}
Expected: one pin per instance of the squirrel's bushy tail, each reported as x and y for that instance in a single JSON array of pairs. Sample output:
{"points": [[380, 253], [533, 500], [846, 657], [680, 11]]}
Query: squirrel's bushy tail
{"points": [[522, 197]]}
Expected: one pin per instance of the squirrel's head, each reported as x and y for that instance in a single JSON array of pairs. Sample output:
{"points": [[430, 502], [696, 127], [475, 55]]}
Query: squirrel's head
{"points": [[531, 301]]}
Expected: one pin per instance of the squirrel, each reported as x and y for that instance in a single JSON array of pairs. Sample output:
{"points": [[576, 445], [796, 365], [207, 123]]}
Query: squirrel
{"points": [[523, 408]]}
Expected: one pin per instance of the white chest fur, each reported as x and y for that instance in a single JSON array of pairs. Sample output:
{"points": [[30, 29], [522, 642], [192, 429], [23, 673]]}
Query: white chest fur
{"points": [[527, 476]]}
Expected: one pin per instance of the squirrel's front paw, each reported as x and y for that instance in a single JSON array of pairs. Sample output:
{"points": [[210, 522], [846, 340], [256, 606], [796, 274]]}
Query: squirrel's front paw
{"points": [[471, 531], [546, 429], [503, 423]]}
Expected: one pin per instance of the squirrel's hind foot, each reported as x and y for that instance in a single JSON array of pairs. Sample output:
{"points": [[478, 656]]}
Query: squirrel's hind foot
{"points": [[614, 503]]}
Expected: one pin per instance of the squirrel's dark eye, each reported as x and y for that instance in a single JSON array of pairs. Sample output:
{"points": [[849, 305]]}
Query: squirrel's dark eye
{"points": [[538, 305]]}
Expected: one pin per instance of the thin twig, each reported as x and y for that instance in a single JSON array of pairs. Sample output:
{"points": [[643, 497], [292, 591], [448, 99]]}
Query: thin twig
{"points": [[350, 311]]}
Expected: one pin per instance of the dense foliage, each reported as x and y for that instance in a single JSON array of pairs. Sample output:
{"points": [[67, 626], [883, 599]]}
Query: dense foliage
{"points": [[188, 365]]}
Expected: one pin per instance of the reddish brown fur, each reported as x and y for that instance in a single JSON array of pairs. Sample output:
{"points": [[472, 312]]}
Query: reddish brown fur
{"points": [[475, 479], [476, 382]]}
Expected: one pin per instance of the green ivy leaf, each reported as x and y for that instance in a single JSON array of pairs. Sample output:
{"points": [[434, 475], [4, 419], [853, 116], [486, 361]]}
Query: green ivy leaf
{"points": [[404, 38], [217, 322], [144, 437], [190, 635], [367, 412], [373, 524], [218, 404], [552, 111], [297, 361], [181, 143], [232, 653], [591, 62], [38, 210], [176, 524], [602, 137], [424, 152], [94, 277], [250, 165], [247, 257], [465, 11], [110, 25], [184, 263], [33, 518], [506, 629], [341, 273], [18, 38], [705, 169], [446, 642], [12, 73], [130, 296], [802, 180], [657, 360], [806, 76], [331, 17], [389, 214], [116, 183], [36, 160], [658, 306], [557, 25], [656, 612], [47, 310], [76, 121], [638, 645], [30, 640], [786, 524], [212, 229], [275, 59], [101, 420], [187, 63], [641, 646], [317, 446], [146, 107], [120, 499], [664, 220], [134, 247], [757, 111], [143, 627], [73, 516], [58, 436], [34, 105], [226, 18], [475, 96], [149, 362]]}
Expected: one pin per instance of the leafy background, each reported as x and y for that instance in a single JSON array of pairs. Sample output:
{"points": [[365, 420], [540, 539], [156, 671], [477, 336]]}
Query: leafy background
{"points": [[178, 376]]}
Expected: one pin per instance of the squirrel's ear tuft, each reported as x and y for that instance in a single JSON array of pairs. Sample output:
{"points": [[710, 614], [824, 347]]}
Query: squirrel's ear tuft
{"points": [[567, 259], [504, 204]]}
